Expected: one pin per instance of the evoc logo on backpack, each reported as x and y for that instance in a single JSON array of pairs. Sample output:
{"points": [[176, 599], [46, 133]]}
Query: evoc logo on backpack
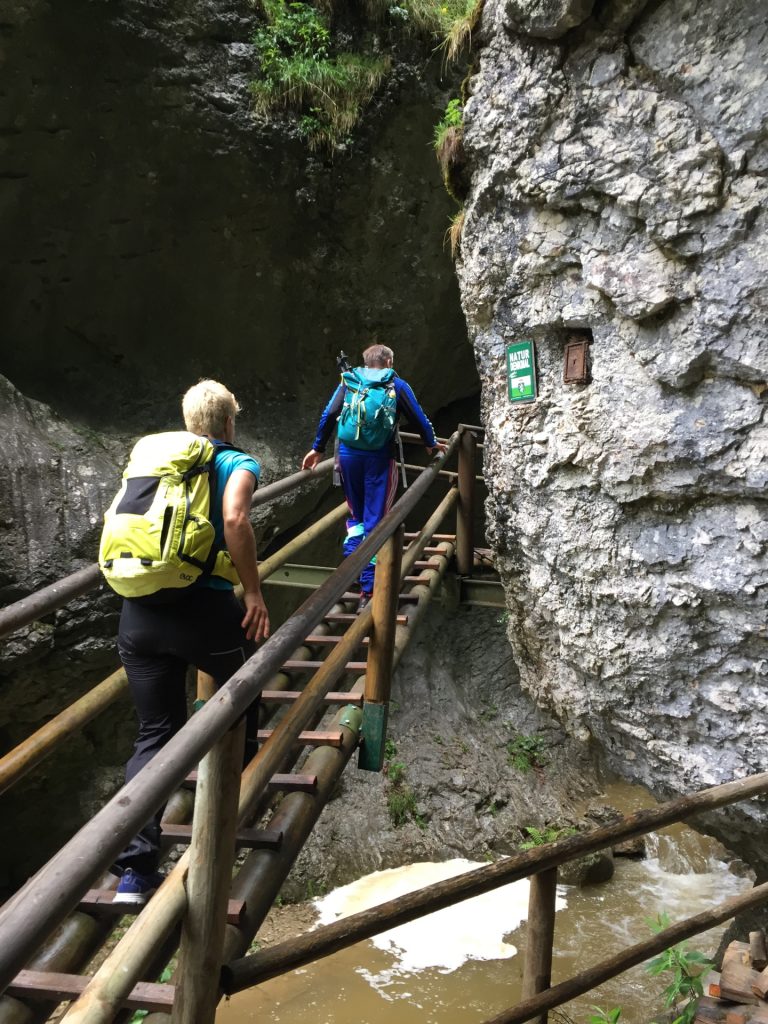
{"points": [[157, 532], [369, 412]]}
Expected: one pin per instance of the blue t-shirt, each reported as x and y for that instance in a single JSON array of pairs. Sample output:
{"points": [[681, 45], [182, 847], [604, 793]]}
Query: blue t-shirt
{"points": [[227, 461]]}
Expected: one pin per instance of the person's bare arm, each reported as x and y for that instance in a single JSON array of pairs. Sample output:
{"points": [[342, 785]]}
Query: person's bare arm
{"points": [[241, 544]]}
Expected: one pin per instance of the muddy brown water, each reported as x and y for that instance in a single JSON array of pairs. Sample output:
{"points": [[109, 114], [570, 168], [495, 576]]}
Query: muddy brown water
{"points": [[465, 963]]}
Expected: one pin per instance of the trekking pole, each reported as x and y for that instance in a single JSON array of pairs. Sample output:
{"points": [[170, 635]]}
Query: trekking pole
{"points": [[342, 364], [402, 457]]}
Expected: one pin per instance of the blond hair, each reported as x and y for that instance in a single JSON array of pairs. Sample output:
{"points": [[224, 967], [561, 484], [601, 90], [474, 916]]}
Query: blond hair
{"points": [[206, 406], [377, 355]]}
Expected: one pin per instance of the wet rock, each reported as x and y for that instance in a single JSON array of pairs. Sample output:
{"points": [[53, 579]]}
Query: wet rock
{"points": [[593, 869]]}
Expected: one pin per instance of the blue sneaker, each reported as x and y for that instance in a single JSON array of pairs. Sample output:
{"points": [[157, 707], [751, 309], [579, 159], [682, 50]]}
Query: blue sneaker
{"points": [[136, 889]]}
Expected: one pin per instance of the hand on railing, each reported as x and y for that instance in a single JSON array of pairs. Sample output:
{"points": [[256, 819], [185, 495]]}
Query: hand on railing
{"points": [[438, 449], [311, 459]]}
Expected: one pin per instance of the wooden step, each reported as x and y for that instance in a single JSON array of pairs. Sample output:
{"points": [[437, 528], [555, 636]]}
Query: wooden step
{"points": [[309, 739], [288, 696], [320, 640], [352, 596], [101, 902], [247, 838], [313, 666], [278, 783], [434, 536], [402, 620], [426, 565], [154, 998]]}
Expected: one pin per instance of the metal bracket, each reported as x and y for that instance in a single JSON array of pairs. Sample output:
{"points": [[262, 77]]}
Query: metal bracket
{"points": [[373, 735]]}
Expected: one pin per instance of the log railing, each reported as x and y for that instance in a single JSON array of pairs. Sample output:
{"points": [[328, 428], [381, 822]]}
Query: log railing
{"points": [[33, 912]]}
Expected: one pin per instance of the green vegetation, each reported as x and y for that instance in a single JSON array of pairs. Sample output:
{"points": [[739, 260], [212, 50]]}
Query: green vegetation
{"points": [[526, 753], [687, 968], [401, 804], [452, 119], [600, 1016], [306, 65], [329, 91], [401, 799], [541, 836], [315, 889]]}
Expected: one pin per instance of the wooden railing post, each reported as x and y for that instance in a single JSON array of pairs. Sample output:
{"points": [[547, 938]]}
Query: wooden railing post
{"points": [[212, 853], [378, 674], [206, 687], [465, 512], [540, 933]]}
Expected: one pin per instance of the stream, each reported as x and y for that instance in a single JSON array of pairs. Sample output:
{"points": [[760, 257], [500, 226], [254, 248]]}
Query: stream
{"points": [[464, 963]]}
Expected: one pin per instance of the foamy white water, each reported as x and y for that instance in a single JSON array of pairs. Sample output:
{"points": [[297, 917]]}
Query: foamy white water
{"points": [[471, 930]]}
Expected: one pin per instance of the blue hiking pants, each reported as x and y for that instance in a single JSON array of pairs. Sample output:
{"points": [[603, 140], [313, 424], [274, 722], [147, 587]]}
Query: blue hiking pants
{"points": [[369, 480]]}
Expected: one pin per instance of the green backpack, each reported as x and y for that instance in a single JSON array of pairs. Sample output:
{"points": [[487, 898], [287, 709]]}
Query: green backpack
{"points": [[157, 532], [369, 413]]}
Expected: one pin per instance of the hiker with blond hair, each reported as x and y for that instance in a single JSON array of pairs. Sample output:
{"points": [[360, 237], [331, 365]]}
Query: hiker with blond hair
{"points": [[179, 605]]}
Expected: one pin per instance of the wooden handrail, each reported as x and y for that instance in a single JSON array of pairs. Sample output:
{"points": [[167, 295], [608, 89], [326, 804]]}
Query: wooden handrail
{"points": [[27, 918]]}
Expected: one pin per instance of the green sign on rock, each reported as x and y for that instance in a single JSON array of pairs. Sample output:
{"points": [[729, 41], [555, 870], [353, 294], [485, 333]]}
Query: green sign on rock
{"points": [[521, 372]]}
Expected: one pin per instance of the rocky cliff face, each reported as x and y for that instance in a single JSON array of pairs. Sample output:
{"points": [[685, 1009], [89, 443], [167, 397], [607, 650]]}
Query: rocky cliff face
{"points": [[618, 154]]}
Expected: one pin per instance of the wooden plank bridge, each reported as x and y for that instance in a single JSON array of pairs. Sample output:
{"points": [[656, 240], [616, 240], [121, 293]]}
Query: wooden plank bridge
{"points": [[328, 671]]}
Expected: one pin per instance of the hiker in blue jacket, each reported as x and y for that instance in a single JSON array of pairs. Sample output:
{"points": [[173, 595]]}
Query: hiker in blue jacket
{"points": [[366, 404]]}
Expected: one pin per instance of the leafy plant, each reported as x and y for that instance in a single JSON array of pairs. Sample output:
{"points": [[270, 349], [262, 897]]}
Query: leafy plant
{"points": [[315, 889], [401, 804], [526, 752], [687, 968], [452, 118], [600, 1016], [390, 749], [541, 836], [395, 772]]}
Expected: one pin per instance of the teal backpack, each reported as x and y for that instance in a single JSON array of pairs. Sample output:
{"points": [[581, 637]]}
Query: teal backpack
{"points": [[369, 413]]}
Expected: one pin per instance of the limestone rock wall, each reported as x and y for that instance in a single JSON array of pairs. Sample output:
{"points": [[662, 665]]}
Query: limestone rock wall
{"points": [[618, 155]]}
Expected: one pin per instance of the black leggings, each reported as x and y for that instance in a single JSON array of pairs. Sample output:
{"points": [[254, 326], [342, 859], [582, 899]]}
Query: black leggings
{"points": [[156, 643]]}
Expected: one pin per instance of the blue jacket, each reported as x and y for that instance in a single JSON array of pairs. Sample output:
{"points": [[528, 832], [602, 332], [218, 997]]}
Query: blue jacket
{"points": [[406, 406]]}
